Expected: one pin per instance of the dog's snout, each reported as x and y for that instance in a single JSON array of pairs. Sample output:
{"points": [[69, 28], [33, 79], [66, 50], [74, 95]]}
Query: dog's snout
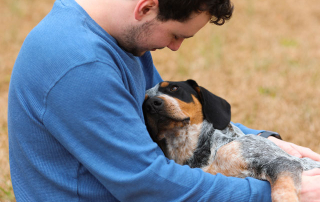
{"points": [[154, 104], [157, 102]]}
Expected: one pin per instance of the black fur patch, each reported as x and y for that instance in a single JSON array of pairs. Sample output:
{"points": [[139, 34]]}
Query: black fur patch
{"points": [[202, 153], [183, 92]]}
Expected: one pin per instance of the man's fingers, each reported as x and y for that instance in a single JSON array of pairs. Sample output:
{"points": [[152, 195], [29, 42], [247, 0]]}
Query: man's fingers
{"points": [[306, 152], [294, 152], [285, 146], [312, 172]]}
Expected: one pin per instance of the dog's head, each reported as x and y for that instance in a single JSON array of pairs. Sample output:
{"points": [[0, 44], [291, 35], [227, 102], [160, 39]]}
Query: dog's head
{"points": [[171, 106]]}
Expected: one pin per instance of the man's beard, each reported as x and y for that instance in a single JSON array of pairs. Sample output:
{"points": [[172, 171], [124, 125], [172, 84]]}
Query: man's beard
{"points": [[133, 36]]}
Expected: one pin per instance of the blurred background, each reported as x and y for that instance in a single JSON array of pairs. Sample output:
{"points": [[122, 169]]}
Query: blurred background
{"points": [[265, 61]]}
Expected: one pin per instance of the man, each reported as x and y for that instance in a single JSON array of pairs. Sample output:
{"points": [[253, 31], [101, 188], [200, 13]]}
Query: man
{"points": [[76, 127]]}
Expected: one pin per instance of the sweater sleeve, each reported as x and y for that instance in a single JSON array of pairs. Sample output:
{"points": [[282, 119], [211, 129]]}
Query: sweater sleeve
{"points": [[93, 115]]}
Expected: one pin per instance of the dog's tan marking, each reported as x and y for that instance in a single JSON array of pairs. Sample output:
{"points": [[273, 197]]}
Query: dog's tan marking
{"points": [[284, 190], [228, 161], [192, 110], [172, 108], [146, 97], [164, 84]]}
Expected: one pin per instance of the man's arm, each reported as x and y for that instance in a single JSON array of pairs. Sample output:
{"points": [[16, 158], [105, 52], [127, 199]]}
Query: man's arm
{"points": [[96, 119], [290, 148]]}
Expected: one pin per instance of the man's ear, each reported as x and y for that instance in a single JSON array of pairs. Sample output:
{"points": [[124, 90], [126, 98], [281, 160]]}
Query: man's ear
{"points": [[215, 110], [145, 7]]}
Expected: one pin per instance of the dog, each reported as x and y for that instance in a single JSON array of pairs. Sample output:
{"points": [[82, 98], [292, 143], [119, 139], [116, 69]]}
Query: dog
{"points": [[192, 126]]}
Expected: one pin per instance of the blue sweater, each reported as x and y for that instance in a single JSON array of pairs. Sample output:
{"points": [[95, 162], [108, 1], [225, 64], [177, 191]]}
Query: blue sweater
{"points": [[76, 127]]}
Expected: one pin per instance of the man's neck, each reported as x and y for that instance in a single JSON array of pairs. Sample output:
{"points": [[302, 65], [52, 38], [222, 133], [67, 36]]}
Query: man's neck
{"points": [[111, 15]]}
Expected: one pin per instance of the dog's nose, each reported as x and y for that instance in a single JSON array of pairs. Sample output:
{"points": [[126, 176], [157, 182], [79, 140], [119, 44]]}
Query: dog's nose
{"points": [[153, 105], [157, 102]]}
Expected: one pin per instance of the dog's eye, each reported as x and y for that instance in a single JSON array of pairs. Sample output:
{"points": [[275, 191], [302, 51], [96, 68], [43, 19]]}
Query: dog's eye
{"points": [[174, 88]]}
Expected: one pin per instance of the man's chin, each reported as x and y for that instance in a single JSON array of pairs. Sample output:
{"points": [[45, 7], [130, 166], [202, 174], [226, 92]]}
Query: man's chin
{"points": [[139, 54], [133, 51]]}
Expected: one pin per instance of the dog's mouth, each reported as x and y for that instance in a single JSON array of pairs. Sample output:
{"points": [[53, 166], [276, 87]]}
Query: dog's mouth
{"points": [[162, 119], [160, 124]]}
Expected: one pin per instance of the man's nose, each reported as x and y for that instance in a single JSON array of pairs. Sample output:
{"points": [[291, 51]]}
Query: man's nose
{"points": [[175, 44]]}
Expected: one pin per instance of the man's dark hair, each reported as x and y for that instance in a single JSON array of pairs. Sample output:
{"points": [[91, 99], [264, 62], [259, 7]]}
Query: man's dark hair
{"points": [[180, 10]]}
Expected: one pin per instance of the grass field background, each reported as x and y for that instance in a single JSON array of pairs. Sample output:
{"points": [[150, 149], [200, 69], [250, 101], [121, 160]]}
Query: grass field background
{"points": [[265, 61]]}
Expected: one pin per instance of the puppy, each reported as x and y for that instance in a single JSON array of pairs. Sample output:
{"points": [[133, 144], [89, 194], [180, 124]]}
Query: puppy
{"points": [[192, 126]]}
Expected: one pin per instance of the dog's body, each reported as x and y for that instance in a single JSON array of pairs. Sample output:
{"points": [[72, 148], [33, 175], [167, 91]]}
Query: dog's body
{"points": [[192, 126]]}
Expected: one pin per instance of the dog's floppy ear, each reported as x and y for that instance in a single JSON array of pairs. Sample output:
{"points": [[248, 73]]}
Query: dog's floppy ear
{"points": [[216, 110]]}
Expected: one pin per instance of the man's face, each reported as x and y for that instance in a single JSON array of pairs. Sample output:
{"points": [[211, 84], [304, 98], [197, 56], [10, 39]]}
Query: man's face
{"points": [[154, 34]]}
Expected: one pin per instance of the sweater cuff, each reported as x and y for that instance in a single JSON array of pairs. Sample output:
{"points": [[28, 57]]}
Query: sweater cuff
{"points": [[247, 130]]}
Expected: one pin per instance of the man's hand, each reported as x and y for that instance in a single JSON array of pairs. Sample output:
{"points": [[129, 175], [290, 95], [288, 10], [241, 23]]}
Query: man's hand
{"points": [[310, 186], [295, 150]]}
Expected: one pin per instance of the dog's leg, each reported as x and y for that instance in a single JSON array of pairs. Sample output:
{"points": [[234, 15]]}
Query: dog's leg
{"points": [[283, 174], [284, 188], [228, 161]]}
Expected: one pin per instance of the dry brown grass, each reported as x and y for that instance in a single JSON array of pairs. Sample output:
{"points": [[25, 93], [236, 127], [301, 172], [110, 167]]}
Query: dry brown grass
{"points": [[17, 19], [265, 62]]}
